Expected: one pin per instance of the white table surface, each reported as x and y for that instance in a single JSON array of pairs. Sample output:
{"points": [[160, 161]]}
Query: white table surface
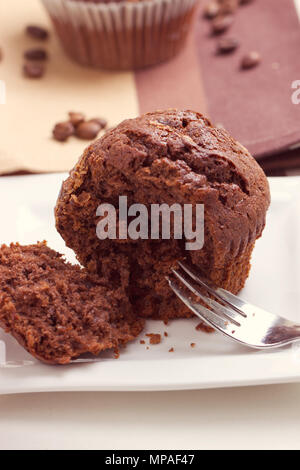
{"points": [[243, 418]]}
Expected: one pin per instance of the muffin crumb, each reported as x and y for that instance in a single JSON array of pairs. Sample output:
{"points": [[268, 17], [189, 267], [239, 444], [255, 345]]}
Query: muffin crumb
{"points": [[154, 338], [204, 327]]}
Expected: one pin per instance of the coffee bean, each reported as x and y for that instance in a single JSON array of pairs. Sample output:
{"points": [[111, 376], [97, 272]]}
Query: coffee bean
{"points": [[250, 60], [227, 44], [220, 24], [76, 118], [87, 130], [33, 70], [36, 54], [211, 9], [100, 121], [37, 32], [63, 130]]}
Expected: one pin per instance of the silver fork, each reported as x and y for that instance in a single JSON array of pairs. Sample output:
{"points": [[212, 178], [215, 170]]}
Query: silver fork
{"points": [[232, 316]]}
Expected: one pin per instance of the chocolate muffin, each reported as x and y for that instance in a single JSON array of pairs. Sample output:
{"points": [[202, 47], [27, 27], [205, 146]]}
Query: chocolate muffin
{"points": [[166, 157], [58, 311], [121, 34]]}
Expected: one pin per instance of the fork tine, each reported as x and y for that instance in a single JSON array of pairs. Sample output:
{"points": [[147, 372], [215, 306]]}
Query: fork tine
{"points": [[224, 296], [218, 308], [202, 312], [221, 310]]}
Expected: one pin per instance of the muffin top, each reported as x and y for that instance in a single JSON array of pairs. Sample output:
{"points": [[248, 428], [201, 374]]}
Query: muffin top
{"points": [[176, 156], [210, 154]]}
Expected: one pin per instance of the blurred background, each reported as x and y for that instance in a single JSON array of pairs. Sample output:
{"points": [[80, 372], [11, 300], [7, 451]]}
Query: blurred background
{"points": [[253, 102]]}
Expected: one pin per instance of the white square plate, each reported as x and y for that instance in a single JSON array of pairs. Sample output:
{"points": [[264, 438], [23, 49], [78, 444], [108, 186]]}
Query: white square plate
{"points": [[274, 284]]}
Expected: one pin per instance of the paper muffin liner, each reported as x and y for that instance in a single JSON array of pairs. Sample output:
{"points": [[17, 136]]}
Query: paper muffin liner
{"points": [[120, 36]]}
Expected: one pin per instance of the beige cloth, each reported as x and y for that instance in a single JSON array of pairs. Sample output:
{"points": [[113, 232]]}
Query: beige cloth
{"points": [[34, 106]]}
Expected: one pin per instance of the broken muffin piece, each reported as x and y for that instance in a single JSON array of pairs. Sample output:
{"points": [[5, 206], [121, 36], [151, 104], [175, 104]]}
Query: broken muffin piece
{"points": [[58, 311]]}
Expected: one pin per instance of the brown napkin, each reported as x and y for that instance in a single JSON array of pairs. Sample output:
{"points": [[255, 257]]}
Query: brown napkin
{"points": [[254, 105]]}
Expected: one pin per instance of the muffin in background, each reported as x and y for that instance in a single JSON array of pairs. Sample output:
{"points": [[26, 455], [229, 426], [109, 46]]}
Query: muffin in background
{"points": [[166, 157], [121, 34]]}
